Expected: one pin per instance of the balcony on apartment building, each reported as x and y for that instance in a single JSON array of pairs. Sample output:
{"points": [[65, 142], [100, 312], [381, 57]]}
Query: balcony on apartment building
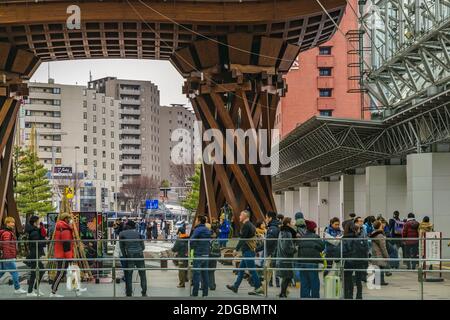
{"points": [[129, 91], [43, 119], [130, 131], [130, 171], [130, 121], [131, 151], [42, 107], [126, 161], [130, 141], [130, 111], [129, 101]]}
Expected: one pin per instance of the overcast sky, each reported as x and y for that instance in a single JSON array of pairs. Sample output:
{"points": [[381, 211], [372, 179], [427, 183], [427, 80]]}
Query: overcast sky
{"points": [[161, 73]]}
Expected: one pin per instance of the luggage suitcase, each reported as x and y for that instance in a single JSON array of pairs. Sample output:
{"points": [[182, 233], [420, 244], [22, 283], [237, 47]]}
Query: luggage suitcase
{"points": [[332, 287]]}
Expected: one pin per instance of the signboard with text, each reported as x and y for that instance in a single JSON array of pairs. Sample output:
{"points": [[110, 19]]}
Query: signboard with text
{"points": [[151, 204], [433, 248], [62, 171]]}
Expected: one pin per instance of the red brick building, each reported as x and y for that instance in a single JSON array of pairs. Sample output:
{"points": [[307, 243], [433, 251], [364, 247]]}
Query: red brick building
{"points": [[320, 83]]}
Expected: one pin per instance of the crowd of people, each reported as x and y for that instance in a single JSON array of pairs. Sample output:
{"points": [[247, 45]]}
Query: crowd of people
{"points": [[280, 250], [296, 251]]}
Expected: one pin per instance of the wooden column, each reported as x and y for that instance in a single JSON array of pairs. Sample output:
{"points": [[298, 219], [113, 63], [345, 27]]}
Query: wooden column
{"points": [[235, 83], [16, 65]]}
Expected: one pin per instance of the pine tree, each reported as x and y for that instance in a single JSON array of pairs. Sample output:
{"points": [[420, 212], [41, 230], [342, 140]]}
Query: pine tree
{"points": [[32, 190], [192, 198]]}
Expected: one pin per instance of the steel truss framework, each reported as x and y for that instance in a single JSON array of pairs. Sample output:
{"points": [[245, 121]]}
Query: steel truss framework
{"points": [[410, 49], [323, 147]]}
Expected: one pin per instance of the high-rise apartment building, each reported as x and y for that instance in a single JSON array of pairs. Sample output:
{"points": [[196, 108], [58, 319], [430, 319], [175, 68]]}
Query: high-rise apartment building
{"points": [[138, 124], [76, 129], [319, 85], [101, 151], [174, 117]]}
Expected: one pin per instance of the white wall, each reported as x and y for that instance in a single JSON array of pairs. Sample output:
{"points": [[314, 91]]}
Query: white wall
{"points": [[334, 199], [360, 195], [385, 189], [429, 190]]}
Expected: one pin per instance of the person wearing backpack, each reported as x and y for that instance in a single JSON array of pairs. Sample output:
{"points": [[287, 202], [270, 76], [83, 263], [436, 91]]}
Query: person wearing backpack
{"points": [[310, 247], [333, 244], [396, 226], [8, 253], [200, 244], [285, 252], [247, 244], [180, 248], [36, 251], [354, 246], [214, 254], [273, 231], [411, 244]]}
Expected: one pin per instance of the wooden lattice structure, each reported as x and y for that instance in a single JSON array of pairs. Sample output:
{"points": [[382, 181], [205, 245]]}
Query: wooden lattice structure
{"points": [[231, 53]]}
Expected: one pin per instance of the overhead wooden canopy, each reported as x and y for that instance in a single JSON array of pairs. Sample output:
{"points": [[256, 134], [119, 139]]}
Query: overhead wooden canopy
{"points": [[153, 29]]}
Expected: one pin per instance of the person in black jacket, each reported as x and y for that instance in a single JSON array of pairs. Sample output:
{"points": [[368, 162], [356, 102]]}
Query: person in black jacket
{"points": [[200, 243], [354, 246], [180, 249], [36, 251], [285, 253], [247, 244], [132, 247], [273, 231], [310, 247]]}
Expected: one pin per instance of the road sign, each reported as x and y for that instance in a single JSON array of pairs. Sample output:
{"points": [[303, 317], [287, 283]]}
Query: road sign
{"points": [[69, 192], [151, 204]]}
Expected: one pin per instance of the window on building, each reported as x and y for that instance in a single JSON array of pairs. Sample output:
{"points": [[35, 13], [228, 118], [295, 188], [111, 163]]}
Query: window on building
{"points": [[112, 134], [104, 176], [85, 126], [103, 98], [94, 151], [85, 138], [104, 165], [325, 92], [112, 156], [325, 72], [103, 121], [95, 165], [103, 110], [324, 51], [84, 115], [104, 154], [326, 113], [84, 104], [112, 145], [94, 140], [94, 107], [94, 118], [85, 162], [111, 113], [94, 129], [103, 132], [56, 90], [85, 150]]}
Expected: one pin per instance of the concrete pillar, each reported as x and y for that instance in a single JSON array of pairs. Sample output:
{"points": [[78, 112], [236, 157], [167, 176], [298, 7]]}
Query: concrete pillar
{"points": [[303, 193], [296, 201], [385, 190], [428, 176], [279, 202], [289, 204], [347, 196], [323, 204]]}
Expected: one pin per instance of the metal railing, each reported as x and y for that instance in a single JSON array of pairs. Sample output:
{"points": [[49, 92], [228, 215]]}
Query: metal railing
{"points": [[342, 264]]}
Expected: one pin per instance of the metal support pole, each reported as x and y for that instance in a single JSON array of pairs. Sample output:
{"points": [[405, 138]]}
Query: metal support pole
{"points": [[420, 270], [266, 272]]}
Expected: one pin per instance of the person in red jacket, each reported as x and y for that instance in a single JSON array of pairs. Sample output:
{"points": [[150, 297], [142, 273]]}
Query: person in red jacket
{"points": [[411, 244], [8, 253], [63, 250]]}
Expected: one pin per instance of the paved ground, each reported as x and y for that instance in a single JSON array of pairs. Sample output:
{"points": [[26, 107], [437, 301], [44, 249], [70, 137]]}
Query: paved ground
{"points": [[162, 283]]}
